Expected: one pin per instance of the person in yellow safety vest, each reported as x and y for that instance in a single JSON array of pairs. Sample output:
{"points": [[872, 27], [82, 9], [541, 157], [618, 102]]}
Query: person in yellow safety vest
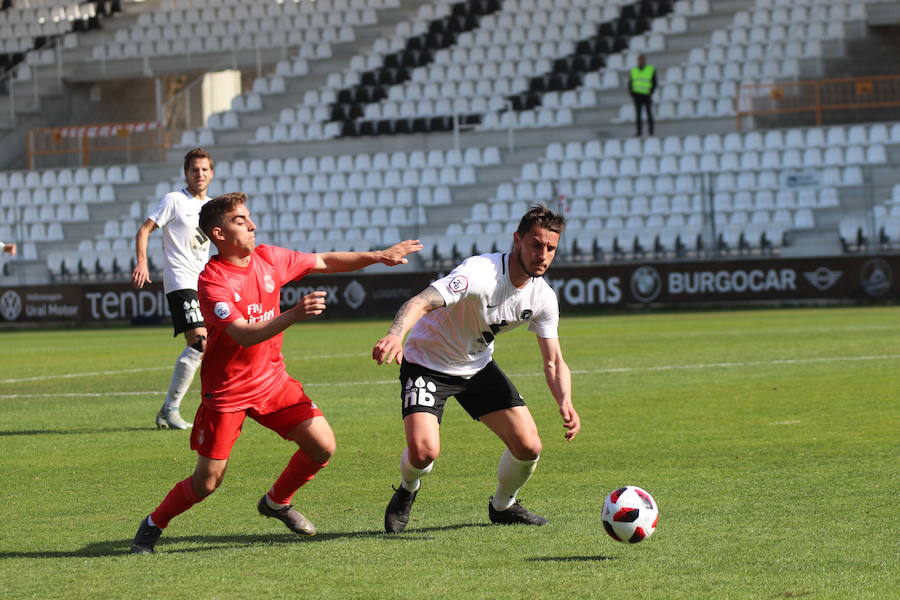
{"points": [[641, 84]]}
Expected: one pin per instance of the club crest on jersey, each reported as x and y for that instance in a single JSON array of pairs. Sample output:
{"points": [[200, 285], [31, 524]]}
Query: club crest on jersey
{"points": [[269, 283], [221, 309], [458, 284], [526, 314]]}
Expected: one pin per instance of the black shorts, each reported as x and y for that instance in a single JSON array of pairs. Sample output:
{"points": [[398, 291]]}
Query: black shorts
{"points": [[425, 390], [185, 308]]}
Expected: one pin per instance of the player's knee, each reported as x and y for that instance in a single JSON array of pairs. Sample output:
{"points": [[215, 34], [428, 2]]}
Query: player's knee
{"points": [[204, 486], [423, 454], [526, 448], [323, 451]]}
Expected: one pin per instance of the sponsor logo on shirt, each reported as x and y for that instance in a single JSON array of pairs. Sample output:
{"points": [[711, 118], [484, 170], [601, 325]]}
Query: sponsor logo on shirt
{"points": [[256, 313], [221, 309], [458, 284]]}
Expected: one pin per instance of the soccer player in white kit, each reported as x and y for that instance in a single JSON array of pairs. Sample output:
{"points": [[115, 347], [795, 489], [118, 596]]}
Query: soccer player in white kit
{"points": [[452, 325], [185, 253]]}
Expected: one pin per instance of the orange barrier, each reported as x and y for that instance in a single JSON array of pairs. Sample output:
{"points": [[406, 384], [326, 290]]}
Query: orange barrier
{"points": [[98, 144], [817, 96]]}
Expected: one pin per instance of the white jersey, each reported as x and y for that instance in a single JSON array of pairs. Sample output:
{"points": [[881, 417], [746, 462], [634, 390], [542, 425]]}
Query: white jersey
{"points": [[481, 302], [185, 246]]}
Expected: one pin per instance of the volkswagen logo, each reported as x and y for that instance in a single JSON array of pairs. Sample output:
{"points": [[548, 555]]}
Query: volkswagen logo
{"points": [[10, 305]]}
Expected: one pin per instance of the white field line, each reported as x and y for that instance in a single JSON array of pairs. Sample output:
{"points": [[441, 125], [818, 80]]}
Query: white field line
{"points": [[89, 374], [729, 365], [145, 369], [721, 365]]}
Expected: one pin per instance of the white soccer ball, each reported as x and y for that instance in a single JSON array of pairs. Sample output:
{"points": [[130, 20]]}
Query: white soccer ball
{"points": [[629, 514]]}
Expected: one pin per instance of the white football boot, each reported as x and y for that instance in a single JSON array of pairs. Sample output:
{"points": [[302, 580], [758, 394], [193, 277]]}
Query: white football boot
{"points": [[170, 418]]}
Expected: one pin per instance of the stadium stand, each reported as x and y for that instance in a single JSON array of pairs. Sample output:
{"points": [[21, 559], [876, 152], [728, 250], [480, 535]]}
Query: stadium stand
{"points": [[605, 186], [444, 120], [761, 44]]}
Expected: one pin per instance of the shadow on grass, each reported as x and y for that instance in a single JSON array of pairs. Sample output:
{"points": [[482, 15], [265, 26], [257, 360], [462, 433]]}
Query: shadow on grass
{"points": [[203, 543], [570, 558], [92, 431]]}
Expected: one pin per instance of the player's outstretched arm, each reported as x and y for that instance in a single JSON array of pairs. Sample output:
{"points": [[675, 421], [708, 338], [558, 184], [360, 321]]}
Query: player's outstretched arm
{"points": [[559, 380], [248, 334], [141, 273], [390, 347], [341, 262]]}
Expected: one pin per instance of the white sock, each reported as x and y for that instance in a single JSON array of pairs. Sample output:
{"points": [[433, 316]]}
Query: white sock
{"points": [[512, 474], [272, 504], [409, 475], [182, 376], [150, 521]]}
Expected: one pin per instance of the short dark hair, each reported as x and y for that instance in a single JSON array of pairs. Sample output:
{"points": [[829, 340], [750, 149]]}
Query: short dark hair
{"points": [[194, 155], [213, 212], [543, 217]]}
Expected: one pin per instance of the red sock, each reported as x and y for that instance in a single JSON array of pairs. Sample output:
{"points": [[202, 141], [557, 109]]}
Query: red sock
{"points": [[179, 499], [299, 470]]}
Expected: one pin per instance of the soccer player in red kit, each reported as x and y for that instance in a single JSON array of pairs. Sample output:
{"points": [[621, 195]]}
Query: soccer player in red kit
{"points": [[243, 371]]}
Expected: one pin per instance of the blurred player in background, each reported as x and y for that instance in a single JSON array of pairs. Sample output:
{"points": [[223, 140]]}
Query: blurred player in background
{"points": [[452, 325], [243, 372], [185, 251]]}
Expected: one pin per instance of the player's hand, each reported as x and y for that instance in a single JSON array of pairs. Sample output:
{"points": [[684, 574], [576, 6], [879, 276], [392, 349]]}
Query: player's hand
{"points": [[395, 255], [571, 420], [10, 249], [140, 276], [387, 349], [311, 305]]}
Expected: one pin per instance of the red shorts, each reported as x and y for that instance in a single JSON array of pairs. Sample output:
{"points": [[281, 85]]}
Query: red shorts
{"points": [[215, 433]]}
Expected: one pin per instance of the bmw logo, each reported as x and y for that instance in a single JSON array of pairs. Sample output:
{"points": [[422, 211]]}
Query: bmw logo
{"points": [[646, 284]]}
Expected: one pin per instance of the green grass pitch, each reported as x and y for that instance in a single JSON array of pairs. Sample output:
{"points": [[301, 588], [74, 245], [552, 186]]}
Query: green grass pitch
{"points": [[769, 438]]}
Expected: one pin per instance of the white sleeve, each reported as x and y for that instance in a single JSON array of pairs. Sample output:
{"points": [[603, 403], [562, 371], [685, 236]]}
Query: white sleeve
{"points": [[545, 323], [461, 282], [165, 210]]}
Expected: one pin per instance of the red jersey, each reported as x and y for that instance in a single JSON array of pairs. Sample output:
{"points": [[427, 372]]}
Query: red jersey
{"points": [[233, 377]]}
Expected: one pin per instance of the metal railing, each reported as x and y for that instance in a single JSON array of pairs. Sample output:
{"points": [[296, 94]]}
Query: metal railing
{"points": [[815, 98], [98, 144]]}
